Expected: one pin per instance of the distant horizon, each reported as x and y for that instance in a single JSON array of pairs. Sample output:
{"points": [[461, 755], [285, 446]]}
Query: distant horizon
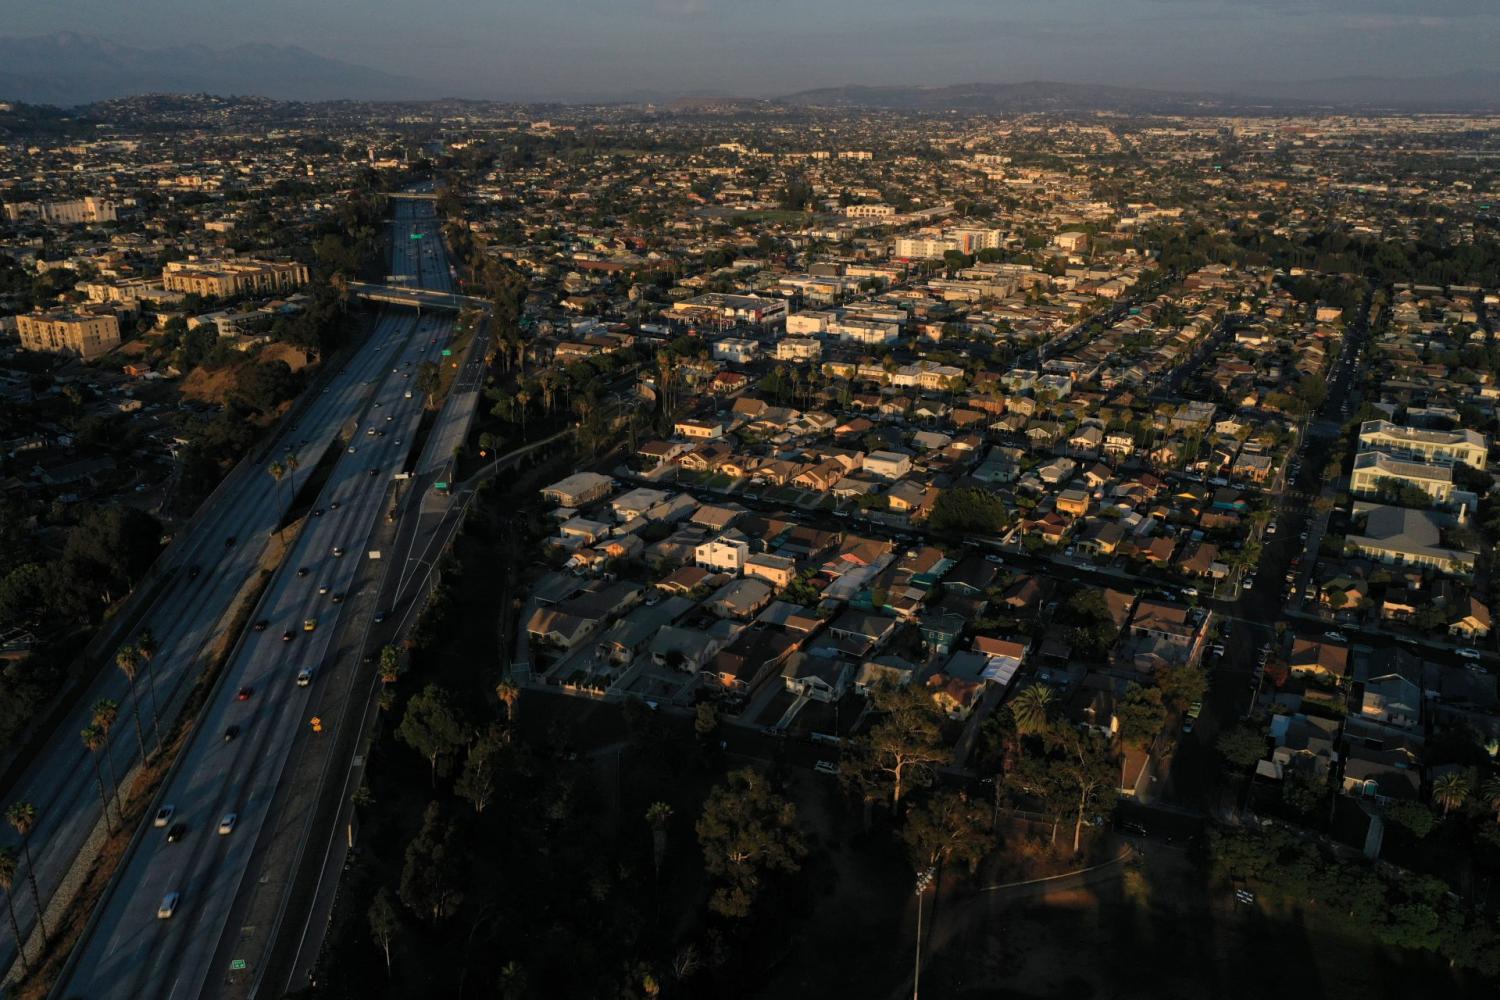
{"points": [[594, 50], [420, 90]]}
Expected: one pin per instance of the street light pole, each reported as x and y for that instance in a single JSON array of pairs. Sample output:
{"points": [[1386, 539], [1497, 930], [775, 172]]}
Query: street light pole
{"points": [[924, 879]]}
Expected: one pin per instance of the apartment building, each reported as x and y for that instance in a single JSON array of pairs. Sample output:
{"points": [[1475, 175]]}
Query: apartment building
{"points": [[717, 307], [735, 349], [870, 211], [63, 213], [798, 349], [1466, 446], [226, 278], [81, 335], [1372, 468]]}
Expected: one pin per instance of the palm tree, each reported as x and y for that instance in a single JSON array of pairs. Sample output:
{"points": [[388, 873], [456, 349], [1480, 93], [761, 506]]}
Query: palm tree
{"points": [[1489, 794], [105, 712], [290, 464], [146, 645], [277, 471], [93, 739], [658, 815], [1450, 791], [128, 659], [1031, 708], [509, 693], [8, 879], [523, 399], [22, 816]]}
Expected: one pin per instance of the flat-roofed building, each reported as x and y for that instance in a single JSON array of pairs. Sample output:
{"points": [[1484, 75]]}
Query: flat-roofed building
{"points": [[1373, 469], [578, 489], [81, 335], [1466, 446], [63, 213], [225, 278]]}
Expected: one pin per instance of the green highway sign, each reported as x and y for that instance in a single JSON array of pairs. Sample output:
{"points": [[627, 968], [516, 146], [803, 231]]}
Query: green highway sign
{"points": [[237, 965], [416, 236], [447, 353], [440, 485]]}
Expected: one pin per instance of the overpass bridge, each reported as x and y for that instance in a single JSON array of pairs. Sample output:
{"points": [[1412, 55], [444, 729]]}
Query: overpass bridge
{"points": [[416, 298], [411, 195]]}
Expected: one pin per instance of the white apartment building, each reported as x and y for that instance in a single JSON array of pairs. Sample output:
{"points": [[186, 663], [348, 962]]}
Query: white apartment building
{"points": [[870, 211], [735, 349], [887, 464], [809, 322], [1466, 446], [798, 349], [1371, 467], [722, 555]]}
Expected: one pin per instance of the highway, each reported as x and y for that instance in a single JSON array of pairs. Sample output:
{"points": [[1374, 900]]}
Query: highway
{"points": [[126, 950], [225, 543]]}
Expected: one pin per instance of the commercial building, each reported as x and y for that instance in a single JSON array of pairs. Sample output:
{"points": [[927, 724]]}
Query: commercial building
{"points": [[717, 307], [226, 278], [1466, 446], [81, 335], [579, 489], [798, 349]]}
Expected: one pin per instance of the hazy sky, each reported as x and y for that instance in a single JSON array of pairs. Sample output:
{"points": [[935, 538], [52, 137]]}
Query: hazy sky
{"points": [[591, 48]]}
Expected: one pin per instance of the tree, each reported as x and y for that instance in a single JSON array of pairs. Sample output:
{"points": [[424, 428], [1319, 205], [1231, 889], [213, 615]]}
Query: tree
{"points": [[476, 782], [1089, 770], [128, 659], [1032, 707], [428, 380], [509, 694], [147, 646], [434, 868], [1489, 794], [1093, 627], [384, 923], [93, 740], [747, 831], [103, 717], [1142, 714], [22, 817], [391, 665], [7, 880], [278, 472], [1182, 684], [901, 748], [1412, 816], [948, 827], [966, 511], [1241, 746], [1302, 791], [1450, 791], [658, 817], [705, 719], [433, 726]]}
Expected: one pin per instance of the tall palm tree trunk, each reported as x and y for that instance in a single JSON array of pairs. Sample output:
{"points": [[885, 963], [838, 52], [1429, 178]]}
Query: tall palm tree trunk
{"points": [[155, 708], [135, 711], [15, 929], [103, 798], [36, 896]]}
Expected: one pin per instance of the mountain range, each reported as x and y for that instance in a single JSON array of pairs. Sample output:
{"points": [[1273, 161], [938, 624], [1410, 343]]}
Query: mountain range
{"points": [[68, 69]]}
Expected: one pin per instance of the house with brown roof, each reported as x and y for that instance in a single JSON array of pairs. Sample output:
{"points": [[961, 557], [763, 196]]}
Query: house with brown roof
{"points": [[1324, 661]]}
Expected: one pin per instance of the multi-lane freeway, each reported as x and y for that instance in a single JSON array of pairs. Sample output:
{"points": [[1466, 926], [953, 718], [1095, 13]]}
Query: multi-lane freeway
{"points": [[204, 569], [239, 750]]}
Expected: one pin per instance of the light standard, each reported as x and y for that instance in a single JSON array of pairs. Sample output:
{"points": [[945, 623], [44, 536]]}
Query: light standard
{"points": [[924, 879]]}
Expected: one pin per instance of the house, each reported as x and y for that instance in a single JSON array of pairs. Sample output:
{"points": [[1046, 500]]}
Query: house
{"points": [[636, 502], [820, 678], [680, 648], [558, 628], [578, 489], [753, 656], [1384, 776], [1119, 444], [1003, 658], [882, 671], [1324, 661], [1394, 696], [778, 571], [1074, 502], [858, 634], [698, 430], [1405, 536], [1475, 623], [740, 599], [705, 458]]}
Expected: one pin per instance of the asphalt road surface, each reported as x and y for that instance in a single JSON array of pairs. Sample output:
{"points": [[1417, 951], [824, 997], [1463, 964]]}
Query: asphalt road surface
{"points": [[127, 950]]}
